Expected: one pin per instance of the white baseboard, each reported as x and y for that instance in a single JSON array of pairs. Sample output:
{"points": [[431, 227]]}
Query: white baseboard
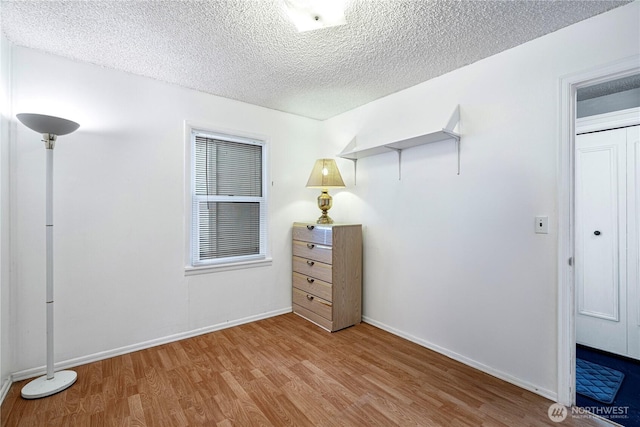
{"points": [[6, 385], [34, 372], [551, 395]]}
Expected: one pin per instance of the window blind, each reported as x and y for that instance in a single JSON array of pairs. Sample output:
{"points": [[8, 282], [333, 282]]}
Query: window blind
{"points": [[229, 208], [228, 168]]}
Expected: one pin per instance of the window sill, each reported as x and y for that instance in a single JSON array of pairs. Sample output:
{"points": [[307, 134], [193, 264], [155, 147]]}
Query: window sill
{"points": [[214, 268]]}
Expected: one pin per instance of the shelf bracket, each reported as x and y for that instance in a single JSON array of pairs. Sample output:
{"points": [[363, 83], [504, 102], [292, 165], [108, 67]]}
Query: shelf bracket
{"points": [[454, 120], [351, 146], [355, 171], [458, 148], [455, 137], [399, 151]]}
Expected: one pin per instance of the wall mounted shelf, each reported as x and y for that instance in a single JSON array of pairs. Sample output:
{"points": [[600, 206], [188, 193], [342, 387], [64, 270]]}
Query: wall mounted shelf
{"points": [[353, 153]]}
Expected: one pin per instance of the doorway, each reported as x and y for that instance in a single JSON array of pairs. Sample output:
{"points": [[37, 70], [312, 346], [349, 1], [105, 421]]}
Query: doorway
{"points": [[607, 154], [567, 292]]}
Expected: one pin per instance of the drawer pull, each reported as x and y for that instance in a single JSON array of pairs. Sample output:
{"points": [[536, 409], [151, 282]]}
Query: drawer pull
{"points": [[310, 246], [310, 227], [310, 263], [310, 297], [310, 280]]}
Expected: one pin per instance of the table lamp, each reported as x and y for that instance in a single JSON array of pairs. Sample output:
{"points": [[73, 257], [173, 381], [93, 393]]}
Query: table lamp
{"points": [[325, 175]]}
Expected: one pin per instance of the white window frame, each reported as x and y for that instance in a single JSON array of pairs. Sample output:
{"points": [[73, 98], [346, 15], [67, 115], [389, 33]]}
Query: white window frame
{"points": [[192, 264]]}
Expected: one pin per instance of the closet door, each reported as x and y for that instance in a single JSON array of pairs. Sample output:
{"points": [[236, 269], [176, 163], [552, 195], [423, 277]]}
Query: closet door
{"points": [[601, 275], [633, 241]]}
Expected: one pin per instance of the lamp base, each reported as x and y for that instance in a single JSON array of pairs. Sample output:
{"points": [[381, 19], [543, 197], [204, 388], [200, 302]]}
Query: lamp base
{"points": [[42, 387], [325, 201], [324, 219]]}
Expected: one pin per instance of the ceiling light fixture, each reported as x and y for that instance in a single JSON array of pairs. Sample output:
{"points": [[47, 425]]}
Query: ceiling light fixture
{"points": [[308, 15]]}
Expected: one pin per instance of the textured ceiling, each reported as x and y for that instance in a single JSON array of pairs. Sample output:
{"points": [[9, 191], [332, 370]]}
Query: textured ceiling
{"points": [[248, 50]]}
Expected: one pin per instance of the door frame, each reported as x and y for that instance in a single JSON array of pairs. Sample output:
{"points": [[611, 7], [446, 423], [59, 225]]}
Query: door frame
{"points": [[566, 356]]}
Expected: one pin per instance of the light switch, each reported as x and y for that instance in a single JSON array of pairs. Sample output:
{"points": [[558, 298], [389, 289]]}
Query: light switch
{"points": [[542, 225]]}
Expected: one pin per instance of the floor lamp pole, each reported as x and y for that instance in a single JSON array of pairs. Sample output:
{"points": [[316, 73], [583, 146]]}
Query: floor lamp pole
{"points": [[49, 244], [52, 382]]}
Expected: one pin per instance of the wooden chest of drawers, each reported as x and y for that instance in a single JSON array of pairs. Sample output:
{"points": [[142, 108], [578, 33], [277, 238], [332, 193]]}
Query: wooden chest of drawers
{"points": [[327, 274]]}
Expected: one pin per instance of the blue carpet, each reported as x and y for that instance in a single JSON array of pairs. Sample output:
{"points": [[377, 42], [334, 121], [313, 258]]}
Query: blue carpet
{"points": [[597, 382], [628, 396]]}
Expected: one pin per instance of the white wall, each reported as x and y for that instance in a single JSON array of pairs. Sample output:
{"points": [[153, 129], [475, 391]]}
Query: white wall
{"points": [[119, 211], [452, 261], [5, 132]]}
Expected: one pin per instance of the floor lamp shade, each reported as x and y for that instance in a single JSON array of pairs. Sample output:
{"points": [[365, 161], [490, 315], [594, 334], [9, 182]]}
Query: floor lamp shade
{"points": [[50, 127], [48, 124]]}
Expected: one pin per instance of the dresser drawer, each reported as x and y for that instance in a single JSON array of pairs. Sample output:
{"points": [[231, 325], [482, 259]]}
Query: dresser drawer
{"points": [[313, 286], [311, 268], [312, 303], [319, 234], [310, 315], [312, 251]]}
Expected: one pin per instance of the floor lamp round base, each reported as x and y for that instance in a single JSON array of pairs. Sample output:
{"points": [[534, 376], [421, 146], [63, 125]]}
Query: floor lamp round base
{"points": [[42, 387]]}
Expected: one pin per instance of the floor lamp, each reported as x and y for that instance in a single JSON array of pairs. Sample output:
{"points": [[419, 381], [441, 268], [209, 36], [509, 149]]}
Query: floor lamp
{"points": [[50, 128]]}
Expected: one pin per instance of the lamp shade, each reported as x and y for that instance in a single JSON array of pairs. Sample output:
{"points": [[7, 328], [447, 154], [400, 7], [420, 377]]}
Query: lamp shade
{"points": [[325, 174], [47, 124]]}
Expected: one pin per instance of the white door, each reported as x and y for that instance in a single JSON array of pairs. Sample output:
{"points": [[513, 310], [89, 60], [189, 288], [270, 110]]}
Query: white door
{"points": [[601, 239]]}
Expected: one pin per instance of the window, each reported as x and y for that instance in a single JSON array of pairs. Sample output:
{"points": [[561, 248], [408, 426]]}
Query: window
{"points": [[228, 200]]}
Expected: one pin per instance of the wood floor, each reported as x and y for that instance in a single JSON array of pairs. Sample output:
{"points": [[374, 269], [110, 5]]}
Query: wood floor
{"points": [[283, 371]]}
